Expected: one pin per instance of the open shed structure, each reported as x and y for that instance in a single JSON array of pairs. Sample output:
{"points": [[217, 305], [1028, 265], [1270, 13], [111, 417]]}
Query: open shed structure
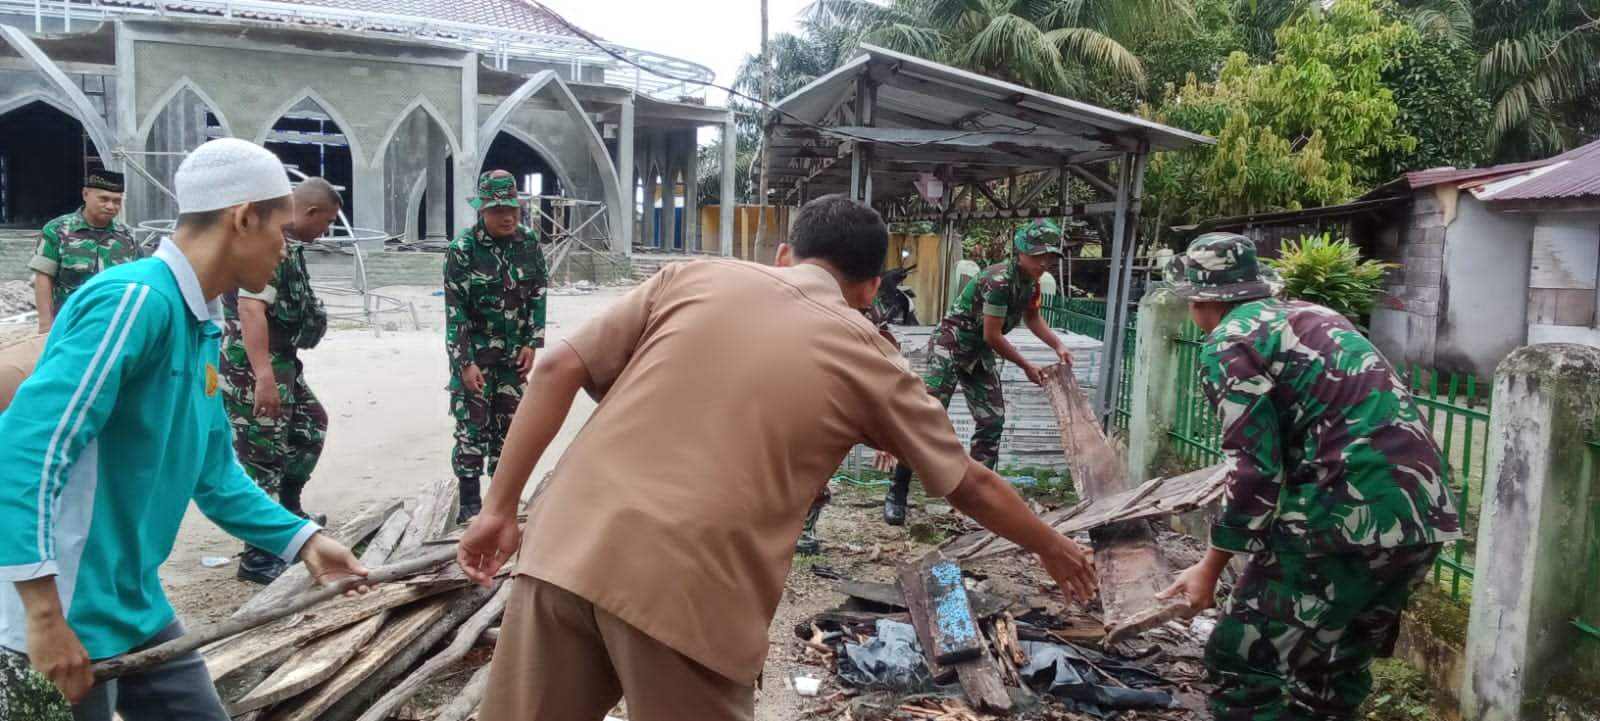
{"points": [[919, 140]]}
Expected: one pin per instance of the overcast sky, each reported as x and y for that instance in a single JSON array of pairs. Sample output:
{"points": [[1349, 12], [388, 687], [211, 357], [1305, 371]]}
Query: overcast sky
{"points": [[714, 33]]}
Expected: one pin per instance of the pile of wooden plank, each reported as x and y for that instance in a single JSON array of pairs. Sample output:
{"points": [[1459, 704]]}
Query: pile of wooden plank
{"points": [[296, 652]]}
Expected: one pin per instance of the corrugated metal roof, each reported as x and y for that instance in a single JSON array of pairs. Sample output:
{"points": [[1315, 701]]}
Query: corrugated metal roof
{"points": [[927, 114], [518, 15], [1571, 175]]}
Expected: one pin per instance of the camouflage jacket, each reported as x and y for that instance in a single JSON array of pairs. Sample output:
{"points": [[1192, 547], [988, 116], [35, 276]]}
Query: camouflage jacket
{"points": [[1001, 290], [494, 295], [1325, 447], [71, 251], [878, 315], [295, 317]]}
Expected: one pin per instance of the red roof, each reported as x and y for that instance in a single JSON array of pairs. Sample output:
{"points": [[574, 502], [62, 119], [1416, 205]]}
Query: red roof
{"points": [[519, 15], [1575, 174]]}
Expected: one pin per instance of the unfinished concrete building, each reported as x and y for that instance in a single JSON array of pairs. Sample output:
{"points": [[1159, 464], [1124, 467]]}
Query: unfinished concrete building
{"points": [[401, 103]]}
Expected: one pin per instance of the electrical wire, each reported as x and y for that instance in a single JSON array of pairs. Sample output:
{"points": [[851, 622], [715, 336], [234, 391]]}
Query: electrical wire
{"points": [[835, 132]]}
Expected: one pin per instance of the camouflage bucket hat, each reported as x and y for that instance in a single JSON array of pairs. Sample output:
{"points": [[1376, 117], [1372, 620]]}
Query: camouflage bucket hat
{"points": [[1041, 237], [1222, 267], [495, 191]]}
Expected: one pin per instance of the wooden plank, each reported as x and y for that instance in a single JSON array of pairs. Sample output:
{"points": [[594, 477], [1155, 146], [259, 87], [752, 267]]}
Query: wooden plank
{"points": [[394, 636], [915, 591], [956, 635], [380, 681], [1158, 497], [387, 539], [310, 666], [465, 638], [432, 516], [980, 681], [200, 637], [296, 579], [239, 651], [1096, 470], [467, 701]]}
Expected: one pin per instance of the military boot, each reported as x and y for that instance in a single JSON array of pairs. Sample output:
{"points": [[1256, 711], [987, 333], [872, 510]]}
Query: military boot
{"points": [[808, 544], [894, 502], [471, 501], [289, 498], [258, 565]]}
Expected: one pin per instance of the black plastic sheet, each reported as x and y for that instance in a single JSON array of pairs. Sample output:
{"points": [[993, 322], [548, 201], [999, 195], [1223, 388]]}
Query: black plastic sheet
{"points": [[891, 660], [1069, 673]]}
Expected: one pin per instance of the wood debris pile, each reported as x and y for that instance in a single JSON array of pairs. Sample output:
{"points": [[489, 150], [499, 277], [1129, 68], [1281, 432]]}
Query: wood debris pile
{"points": [[295, 652]]}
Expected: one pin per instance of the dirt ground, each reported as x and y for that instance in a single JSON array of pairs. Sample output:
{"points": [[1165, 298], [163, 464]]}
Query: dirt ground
{"points": [[390, 432]]}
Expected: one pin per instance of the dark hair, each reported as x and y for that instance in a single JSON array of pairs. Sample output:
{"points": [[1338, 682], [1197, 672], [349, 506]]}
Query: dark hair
{"points": [[320, 192], [845, 234], [203, 221]]}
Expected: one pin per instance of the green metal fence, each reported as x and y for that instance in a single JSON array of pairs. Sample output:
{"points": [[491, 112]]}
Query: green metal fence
{"points": [[1456, 408], [1196, 427]]}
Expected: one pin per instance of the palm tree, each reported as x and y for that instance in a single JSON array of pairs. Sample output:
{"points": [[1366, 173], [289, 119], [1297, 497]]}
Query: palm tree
{"points": [[1541, 67], [1067, 47]]}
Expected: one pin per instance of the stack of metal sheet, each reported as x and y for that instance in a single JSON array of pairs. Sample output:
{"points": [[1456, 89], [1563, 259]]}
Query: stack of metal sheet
{"points": [[1032, 438]]}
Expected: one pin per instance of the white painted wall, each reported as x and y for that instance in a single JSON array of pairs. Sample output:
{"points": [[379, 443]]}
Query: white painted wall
{"points": [[1485, 303]]}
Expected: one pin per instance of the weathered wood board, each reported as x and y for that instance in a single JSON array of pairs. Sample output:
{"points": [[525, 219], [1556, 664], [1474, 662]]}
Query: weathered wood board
{"points": [[1157, 497], [943, 618], [431, 518], [297, 579]]}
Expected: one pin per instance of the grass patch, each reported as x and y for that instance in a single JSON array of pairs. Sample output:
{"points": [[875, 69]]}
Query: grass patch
{"points": [[1399, 693]]}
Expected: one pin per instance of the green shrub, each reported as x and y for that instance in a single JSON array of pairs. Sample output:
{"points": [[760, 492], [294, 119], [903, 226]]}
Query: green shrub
{"points": [[1318, 269]]}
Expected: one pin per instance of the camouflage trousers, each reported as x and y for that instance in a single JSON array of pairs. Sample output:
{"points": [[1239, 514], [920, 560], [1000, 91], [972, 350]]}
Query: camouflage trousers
{"points": [[981, 385], [276, 452], [1301, 630], [482, 420], [808, 532]]}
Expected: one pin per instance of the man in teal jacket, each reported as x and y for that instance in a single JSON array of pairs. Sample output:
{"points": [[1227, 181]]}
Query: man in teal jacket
{"points": [[118, 428]]}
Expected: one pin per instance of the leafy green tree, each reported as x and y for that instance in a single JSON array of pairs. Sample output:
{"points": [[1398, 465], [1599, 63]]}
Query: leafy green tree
{"points": [[1433, 79], [1309, 128], [1540, 64]]}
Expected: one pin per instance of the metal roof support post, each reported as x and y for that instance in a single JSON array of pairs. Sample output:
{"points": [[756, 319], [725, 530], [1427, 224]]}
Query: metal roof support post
{"points": [[1131, 189], [1111, 339]]}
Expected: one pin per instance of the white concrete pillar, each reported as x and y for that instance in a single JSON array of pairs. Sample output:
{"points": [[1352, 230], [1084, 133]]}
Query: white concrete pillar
{"points": [[625, 183], [466, 175], [370, 198], [691, 193], [438, 171], [1153, 404], [1533, 537]]}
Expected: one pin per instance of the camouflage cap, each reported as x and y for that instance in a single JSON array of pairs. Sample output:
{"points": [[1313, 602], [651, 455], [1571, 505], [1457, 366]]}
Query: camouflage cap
{"points": [[494, 191], [1041, 237], [1221, 267]]}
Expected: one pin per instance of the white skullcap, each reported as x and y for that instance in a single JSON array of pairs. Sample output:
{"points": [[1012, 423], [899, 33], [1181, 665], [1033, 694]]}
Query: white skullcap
{"points": [[226, 172]]}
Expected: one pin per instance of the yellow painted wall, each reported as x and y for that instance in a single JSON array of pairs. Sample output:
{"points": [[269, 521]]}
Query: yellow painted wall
{"points": [[927, 278], [745, 224]]}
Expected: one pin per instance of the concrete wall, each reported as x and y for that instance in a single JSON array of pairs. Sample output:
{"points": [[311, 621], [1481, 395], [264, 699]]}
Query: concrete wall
{"points": [[1484, 297], [418, 146], [179, 126]]}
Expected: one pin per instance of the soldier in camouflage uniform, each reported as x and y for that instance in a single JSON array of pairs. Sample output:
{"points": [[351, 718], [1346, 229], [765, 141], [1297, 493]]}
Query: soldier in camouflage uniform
{"points": [[878, 313], [967, 347], [494, 291], [1336, 490], [278, 424], [75, 246]]}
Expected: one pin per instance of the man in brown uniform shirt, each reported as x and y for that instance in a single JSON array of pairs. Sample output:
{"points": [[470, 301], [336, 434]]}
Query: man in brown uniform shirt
{"points": [[656, 552]]}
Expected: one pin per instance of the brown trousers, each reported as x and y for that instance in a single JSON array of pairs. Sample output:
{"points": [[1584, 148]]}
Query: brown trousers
{"points": [[17, 359], [561, 659]]}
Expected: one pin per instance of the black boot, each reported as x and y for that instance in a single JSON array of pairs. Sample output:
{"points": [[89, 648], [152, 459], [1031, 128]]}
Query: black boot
{"points": [[471, 502], [258, 565], [289, 498], [894, 503]]}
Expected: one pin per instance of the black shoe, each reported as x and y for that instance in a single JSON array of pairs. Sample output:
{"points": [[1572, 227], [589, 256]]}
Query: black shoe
{"points": [[808, 547], [894, 508], [471, 500], [259, 566]]}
